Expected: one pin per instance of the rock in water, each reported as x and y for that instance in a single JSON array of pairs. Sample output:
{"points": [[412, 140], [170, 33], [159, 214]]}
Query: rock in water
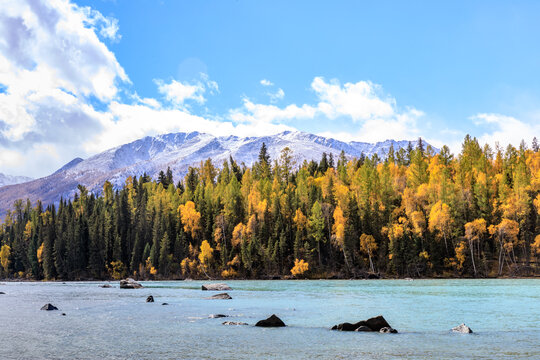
{"points": [[150, 299], [464, 329], [106, 286], [388, 330], [374, 324], [217, 316], [129, 283], [216, 287], [49, 307], [2, 293], [346, 327], [234, 323], [222, 296], [272, 321], [165, 304]]}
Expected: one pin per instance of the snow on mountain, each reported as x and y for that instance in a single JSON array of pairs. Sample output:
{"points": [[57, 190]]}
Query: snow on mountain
{"points": [[11, 180], [178, 151]]}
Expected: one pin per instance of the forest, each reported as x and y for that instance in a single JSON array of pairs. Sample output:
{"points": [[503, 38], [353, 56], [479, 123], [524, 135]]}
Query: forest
{"points": [[416, 213]]}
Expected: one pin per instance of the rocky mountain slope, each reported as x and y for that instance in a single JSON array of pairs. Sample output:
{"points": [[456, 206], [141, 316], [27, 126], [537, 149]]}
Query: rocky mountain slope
{"points": [[178, 151]]}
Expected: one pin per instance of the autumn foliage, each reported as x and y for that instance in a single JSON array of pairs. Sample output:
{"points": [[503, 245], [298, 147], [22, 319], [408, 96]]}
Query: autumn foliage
{"points": [[299, 268], [418, 212]]}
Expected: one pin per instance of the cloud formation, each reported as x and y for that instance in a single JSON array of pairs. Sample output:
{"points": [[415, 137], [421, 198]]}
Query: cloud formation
{"points": [[60, 88], [364, 103], [505, 130], [53, 63]]}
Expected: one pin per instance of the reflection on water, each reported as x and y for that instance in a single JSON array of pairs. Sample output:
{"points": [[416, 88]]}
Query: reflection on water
{"points": [[117, 324]]}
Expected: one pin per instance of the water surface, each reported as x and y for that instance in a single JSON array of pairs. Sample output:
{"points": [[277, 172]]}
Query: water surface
{"points": [[118, 324]]}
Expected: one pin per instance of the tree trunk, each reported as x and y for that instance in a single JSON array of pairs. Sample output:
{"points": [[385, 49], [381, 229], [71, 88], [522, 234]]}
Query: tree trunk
{"points": [[471, 244]]}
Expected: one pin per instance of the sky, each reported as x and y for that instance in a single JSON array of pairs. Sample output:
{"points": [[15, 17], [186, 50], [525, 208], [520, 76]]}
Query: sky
{"points": [[79, 77]]}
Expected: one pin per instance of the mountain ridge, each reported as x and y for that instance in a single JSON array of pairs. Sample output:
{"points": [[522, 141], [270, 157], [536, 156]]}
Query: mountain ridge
{"points": [[179, 151], [6, 179]]}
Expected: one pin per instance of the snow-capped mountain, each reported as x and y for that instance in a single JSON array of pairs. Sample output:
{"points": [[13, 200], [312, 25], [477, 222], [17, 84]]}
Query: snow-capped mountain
{"points": [[178, 151], [11, 180]]}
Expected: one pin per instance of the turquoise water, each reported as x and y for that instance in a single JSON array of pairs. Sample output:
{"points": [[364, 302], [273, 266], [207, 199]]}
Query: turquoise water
{"points": [[118, 324]]}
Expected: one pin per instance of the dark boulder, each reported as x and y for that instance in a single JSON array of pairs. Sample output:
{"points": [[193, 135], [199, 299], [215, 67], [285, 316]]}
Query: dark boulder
{"points": [[217, 316], [49, 307], [463, 329], [165, 304], [2, 293], [63, 314], [374, 323], [106, 286], [222, 296], [346, 327], [272, 321], [234, 323], [388, 330], [216, 287], [129, 283], [150, 299]]}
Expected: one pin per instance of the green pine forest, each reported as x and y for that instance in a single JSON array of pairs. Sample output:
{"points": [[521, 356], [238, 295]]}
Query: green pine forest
{"points": [[416, 213]]}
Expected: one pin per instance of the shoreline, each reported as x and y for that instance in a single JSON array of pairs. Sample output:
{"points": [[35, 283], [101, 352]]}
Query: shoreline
{"points": [[274, 279]]}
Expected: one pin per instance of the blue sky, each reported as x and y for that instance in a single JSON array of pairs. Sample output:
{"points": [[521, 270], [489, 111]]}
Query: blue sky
{"points": [[354, 70]]}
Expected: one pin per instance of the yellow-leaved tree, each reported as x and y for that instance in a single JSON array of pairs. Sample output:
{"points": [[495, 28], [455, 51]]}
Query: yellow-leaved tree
{"points": [[441, 221], [5, 252], [339, 231], [206, 256], [299, 268], [506, 234], [190, 218], [367, 246], [474, 231]]}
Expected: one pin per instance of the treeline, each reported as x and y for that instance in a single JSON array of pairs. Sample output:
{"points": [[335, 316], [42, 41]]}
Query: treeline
{"points": [[415, 213]]}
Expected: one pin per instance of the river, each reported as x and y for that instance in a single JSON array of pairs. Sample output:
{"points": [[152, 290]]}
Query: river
{"points": [[114, 323]]}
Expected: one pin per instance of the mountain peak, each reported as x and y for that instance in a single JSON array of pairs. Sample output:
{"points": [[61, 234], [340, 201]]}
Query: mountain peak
{"points": [[178, 151]]}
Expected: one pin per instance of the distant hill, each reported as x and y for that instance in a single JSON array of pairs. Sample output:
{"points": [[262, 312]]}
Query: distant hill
{"points": [[178, 151], [11, 180]]}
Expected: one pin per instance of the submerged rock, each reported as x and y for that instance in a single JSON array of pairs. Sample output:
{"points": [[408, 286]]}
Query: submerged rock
{"points": [[216, 287], [2, 293], [217, 316], [464, 329], [150, 299], [129, 283], [373, 324], [49, 307], [105, 286], [234, 323], [388, 330], [165, 304], [63, 314], [272, 321], [222, 296]]}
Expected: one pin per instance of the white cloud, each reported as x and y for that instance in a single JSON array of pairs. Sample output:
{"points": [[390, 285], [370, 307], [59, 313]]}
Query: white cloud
{"points": [[178, 92], [363, 102], [265, 82], [276, 96], [124, 123], [505, 129], [106, 26], [267, 114], [52, 63]]}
